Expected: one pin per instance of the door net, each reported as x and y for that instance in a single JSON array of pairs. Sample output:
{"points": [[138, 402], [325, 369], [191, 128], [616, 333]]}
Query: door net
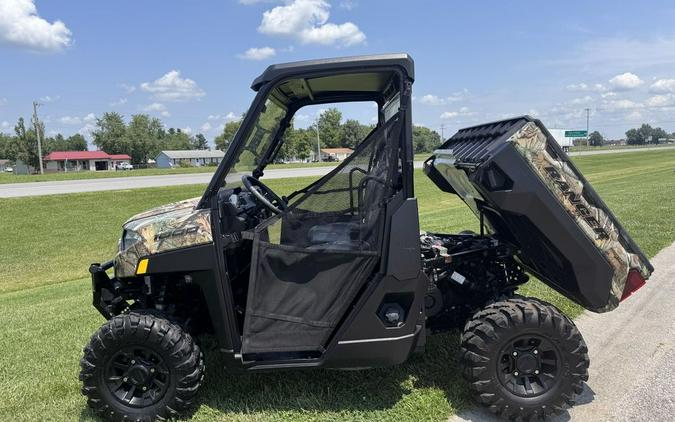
{"points": [[309, 262]]}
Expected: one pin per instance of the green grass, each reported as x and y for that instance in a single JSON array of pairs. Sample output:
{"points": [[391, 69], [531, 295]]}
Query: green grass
{"points": [[52, 239], [78, 175]]}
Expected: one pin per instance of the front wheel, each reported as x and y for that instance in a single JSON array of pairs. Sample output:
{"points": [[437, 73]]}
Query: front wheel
{"points": [[523, 358], [141, 367]]}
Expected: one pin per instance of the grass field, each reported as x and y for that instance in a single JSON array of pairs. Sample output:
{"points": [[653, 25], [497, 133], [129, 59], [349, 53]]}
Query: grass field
{"points": [[78, 175], [45, 305]]}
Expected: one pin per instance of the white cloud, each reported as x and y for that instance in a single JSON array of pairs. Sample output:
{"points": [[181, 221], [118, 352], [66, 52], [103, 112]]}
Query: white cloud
{"points": [[663, 86], [50, 99], [583, 87], [172, 87], [187, 130], [20, 25], [621, 105], [77, 120], [232, 116], [119, 102], [157, 108], [5, 124], [431, 99], [255, 53], [625, 81], [665, 100], [3, 101], [307, 21], [70, 120], [449, 115], [347, 4], [128, 88], [206, 127], [582, 100]]}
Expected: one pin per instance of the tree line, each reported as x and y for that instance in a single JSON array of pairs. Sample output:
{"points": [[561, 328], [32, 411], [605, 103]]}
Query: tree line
{"points": [[645, 134], [333, 132], [143, 137]]}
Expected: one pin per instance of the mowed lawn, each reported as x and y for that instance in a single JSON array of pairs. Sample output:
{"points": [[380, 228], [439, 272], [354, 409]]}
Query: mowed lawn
{"points": [[47, 317]]}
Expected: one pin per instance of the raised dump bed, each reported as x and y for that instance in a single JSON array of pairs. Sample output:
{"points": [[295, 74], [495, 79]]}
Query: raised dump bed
{"points": [[515, 177]]}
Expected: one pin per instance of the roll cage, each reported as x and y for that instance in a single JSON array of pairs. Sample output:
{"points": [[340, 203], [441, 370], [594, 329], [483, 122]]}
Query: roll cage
{"points": [[381, 79]]}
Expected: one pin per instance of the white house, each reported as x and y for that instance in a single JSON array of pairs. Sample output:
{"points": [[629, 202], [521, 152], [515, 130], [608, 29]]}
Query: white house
{"points": [[333, 154], [195, 158]]}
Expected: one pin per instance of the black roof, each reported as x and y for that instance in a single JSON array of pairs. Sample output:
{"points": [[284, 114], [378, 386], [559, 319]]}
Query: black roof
{"points": [[376, 60]]}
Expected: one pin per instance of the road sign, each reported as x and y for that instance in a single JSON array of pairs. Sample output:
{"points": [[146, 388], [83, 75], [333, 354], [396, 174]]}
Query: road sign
{"points": [[575, 133]]}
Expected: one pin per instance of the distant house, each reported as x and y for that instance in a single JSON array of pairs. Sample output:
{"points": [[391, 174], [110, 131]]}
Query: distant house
{"points": [[4, 164], [83, 160], [195, 158], [333, 154]]}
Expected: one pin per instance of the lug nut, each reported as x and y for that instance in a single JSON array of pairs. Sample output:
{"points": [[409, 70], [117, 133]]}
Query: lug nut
{"points": [[145, 388], [125, 379], [536, 352], [515, 353], [133, 362], [152, 370], [515, 373], [536, 372]]}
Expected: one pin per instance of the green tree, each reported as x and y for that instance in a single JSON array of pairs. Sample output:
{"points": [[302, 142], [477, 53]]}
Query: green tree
{"points": [[223, 140], [76, 142], [144, 136], [353, 132], [26, 144], [176, 139], [7, 147], [425, 139], [330, 128], [199, 142], [110, 134], [596, 139]]}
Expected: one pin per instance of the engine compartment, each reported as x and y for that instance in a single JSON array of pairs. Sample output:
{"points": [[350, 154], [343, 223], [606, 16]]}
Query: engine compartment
{"points": [[465, 271]]}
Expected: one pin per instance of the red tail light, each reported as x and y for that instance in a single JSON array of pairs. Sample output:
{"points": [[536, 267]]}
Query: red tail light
{"points": [[633, 282]]}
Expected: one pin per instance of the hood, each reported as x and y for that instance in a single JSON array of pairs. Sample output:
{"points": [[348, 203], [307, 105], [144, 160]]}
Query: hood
{"points": [[185, 204], [162, 229]]}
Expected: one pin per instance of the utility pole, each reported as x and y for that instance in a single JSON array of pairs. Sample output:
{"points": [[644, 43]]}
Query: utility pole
{"points": [[318, 143], [588, 117], [442, 132], [36, 124]]}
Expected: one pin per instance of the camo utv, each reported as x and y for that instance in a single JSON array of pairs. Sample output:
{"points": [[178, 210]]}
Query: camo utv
{"points": [[337, 274]]}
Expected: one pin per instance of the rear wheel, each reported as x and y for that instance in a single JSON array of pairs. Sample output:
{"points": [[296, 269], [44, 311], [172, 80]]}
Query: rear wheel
{"points": [[141, 367], [523, 358]]}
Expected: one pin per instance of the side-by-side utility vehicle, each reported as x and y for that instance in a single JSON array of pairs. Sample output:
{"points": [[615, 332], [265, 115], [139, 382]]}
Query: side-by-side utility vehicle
{"points": [[338, 275]]}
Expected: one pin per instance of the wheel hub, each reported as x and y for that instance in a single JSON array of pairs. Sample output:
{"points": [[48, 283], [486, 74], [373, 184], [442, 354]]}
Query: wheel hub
{"points": [[529, 365], [137, 376]]}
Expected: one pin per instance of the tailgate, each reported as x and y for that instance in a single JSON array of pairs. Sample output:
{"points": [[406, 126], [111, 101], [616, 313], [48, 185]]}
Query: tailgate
{"points": [[516, 178]]}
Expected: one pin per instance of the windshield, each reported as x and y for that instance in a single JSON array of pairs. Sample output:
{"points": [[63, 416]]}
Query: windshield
{"points": [[259, 138]]}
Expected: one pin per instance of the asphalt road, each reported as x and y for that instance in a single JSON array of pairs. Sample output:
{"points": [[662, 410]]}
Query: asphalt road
{"points": [[10, 190], [632, 352]]}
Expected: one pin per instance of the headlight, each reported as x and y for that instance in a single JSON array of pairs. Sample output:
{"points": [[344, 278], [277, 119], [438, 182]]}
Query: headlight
{"points": [[129, 237]]}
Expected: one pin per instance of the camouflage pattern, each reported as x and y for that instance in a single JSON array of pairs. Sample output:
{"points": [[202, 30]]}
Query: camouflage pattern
{"points": [[530, 141], [162, 229]]}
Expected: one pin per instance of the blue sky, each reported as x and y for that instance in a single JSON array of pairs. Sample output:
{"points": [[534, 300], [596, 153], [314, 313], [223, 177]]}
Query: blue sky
{"points": [[191, 62]]}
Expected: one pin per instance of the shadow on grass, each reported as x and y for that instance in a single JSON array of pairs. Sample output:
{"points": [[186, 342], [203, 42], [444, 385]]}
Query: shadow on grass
{"points": [[318, 391]]}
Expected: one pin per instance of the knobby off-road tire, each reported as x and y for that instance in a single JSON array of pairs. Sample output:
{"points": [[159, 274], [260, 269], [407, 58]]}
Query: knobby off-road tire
{"points": [[523, 358], [140, 367]]}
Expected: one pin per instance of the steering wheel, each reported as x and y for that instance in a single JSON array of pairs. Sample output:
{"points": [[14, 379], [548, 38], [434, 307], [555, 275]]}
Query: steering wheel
{"points": [[263, 194]]}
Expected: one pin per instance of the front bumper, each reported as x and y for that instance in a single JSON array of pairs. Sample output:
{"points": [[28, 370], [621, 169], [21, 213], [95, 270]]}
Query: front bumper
{"points": [[106, 291]]}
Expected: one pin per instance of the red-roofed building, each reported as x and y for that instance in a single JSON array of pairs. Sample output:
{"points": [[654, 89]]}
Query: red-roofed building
{"points": [[83, 160]]}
